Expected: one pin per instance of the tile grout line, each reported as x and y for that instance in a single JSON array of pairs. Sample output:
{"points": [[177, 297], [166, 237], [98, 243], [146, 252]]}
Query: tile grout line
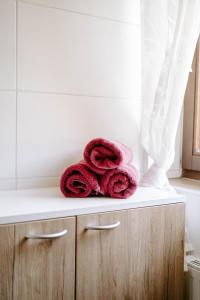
{"points": [[81, 13], [79, 95], [16, 71], [38, 177], [8, 90], [30, 178], [71, 94]]}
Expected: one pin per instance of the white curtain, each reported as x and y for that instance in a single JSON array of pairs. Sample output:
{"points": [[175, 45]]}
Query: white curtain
{"points": [[170, 29]]}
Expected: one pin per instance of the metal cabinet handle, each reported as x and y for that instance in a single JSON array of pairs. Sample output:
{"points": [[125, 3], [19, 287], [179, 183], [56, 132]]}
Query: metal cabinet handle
{"points": [[103, 227], [46, 236]]}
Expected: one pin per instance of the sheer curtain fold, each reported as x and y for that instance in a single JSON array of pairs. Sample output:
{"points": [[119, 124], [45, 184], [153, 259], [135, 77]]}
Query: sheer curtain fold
{"points": [[170, 29]]}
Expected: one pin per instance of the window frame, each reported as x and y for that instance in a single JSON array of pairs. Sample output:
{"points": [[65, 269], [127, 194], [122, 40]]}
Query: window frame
{"points": [[191, 121]]}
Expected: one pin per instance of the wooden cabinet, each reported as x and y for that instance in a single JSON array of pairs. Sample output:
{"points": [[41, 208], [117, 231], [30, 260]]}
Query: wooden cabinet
{"points": [[139, 259], [38, 269], [6, 261]]}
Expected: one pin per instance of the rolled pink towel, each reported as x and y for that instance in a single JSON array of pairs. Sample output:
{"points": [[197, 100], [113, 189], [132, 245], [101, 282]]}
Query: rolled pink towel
{"points": [[119, 183], [79, 181], [102, 155]]}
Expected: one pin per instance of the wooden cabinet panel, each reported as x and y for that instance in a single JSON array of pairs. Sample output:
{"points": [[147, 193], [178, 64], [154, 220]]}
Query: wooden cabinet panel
{"points": [[6, 261], [44, 269], [142, 259]]}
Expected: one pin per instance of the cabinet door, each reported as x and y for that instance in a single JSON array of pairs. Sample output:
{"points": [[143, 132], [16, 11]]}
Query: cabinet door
{"points": [[6, 261], [44, 269], [141, 259]]}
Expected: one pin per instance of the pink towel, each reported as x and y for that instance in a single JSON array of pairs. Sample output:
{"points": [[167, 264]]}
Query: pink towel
{"points": [[101, 155], [79, 181], [119, 183]]}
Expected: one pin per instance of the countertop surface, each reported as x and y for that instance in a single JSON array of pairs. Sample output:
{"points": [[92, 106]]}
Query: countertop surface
{"points": [[46, 203]]}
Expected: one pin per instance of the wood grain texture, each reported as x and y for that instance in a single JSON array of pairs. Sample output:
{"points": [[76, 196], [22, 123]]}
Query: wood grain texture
{"points": [[6, 261], [191, 174], [44, 269], [196, 142], [188, 117], [140, 260], [191, 124]]}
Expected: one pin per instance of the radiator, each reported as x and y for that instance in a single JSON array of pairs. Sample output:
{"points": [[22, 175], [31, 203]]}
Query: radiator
{"points": [[192, 283]]}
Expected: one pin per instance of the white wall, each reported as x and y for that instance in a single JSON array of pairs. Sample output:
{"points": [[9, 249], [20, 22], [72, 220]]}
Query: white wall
{"points": [[192, 194], [69, 72], [193, 220]]}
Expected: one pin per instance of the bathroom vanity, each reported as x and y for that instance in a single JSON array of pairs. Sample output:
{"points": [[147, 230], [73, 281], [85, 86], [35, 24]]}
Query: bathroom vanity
{"points": [[91, 249]]}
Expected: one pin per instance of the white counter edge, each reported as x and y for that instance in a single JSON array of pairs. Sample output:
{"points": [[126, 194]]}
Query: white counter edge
{"points": [[45, 215]]}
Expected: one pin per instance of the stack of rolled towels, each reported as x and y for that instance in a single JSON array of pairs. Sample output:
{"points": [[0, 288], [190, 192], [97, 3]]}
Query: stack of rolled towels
{"points": [[104, 171]]}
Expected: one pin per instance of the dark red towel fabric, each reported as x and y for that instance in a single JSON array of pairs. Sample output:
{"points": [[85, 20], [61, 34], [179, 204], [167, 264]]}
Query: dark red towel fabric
{"points": [[102, 155], [119, 183], [79, 181]]}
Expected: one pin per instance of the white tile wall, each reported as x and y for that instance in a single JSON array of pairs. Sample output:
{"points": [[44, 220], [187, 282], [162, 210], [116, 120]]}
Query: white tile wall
{"points": [[7, 44], [53, 129], [7, 134], [8, 184], [38, 182], [63, 52], [122, 10], [78, 77]]}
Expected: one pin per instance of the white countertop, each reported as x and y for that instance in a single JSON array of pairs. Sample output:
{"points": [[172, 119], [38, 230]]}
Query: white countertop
{"points": [[46, 203]]}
